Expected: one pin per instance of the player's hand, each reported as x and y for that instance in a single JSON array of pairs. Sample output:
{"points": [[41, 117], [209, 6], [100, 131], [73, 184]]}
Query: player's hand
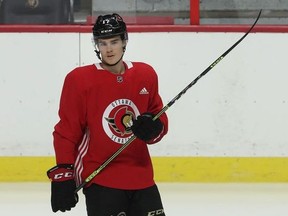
{"points": [[63, 186], [145, 128]]}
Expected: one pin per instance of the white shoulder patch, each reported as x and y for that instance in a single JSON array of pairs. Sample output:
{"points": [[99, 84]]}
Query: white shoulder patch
{"points": [[129, 64], [98, 66]]}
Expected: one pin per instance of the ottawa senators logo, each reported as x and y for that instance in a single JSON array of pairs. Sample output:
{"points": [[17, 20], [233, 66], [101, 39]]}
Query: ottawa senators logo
{"points": [[121, 121], [117, 120]]}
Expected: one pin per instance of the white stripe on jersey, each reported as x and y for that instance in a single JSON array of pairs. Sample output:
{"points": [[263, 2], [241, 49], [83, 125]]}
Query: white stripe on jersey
{"points": [[82, 150]]}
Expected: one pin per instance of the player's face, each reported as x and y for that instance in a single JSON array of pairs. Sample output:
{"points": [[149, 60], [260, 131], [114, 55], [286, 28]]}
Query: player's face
{"points": [[111, 49]]}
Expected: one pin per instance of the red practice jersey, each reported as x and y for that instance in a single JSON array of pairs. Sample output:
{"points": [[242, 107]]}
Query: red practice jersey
{"points": [[96, 107]]}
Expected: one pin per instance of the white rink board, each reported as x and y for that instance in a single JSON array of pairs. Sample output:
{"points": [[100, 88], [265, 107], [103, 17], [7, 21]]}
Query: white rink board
{"points": [[238, 109]]}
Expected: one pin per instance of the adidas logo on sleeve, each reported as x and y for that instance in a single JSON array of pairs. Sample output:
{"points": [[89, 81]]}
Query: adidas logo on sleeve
{"points": [[143, 91]]}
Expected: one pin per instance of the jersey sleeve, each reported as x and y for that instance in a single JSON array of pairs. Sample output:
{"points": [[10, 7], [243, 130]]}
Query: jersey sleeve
{"points": [[70, 129], [155, 105]]}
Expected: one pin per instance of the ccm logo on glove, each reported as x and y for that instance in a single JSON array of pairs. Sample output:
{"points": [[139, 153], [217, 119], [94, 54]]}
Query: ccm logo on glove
{"points": [[63, 175], [60, 173]]}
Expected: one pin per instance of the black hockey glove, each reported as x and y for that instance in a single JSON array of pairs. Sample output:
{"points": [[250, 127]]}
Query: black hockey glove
{"points": [[63, 186], [145, 128]]}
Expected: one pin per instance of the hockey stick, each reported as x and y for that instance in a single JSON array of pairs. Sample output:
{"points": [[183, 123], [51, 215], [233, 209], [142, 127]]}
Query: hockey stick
{"points": [[165, 108]]}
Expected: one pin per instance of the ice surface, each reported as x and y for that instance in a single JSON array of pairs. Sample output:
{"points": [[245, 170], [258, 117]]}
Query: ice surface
{"points": [[33, 199]]}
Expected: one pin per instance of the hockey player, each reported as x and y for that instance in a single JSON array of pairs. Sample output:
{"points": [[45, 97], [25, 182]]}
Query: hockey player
{"points": [[102, 105]]}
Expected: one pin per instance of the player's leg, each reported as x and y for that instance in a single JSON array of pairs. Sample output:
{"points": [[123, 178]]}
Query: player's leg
{"points": [[146, 202], [102, 201]]}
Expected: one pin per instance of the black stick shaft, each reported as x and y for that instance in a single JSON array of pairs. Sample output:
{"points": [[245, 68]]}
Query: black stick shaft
{"points": [[165, 108]]}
